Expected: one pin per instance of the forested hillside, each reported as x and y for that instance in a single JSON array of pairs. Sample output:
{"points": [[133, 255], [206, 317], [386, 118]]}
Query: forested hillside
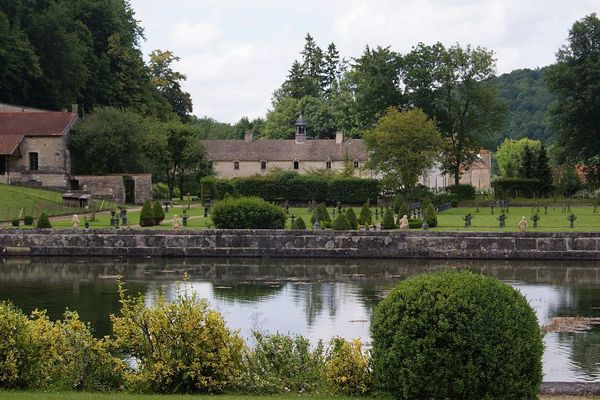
{"points": [[528, 98]]}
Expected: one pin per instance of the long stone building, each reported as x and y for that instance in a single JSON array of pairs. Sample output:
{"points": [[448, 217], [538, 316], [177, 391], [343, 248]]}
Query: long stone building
{"points": [[248, 157]]}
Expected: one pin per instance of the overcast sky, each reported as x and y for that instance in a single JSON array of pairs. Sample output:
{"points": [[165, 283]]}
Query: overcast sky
{"points": [[236, 52]]}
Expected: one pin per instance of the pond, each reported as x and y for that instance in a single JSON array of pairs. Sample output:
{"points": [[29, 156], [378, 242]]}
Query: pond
{"points": [[315, 298]]}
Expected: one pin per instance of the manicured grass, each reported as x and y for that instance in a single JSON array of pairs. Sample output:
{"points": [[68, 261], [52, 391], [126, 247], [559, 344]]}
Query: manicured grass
{"points": [[6, 395]]}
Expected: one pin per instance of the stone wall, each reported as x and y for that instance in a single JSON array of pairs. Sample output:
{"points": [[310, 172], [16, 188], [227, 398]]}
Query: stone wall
{"points": [[279, 243], [112, 187], [53, 161]]}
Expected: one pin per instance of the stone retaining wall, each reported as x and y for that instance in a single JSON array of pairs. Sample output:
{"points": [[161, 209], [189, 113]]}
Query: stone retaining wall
{"points": [[305, 244]]}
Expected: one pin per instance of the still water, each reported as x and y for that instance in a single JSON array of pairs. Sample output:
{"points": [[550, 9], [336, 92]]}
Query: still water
{"points": [[315, 298]]}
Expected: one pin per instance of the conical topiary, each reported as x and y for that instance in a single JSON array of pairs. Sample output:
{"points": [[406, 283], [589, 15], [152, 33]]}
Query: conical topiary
{"points": [[322, 213], [366, 218], [351, 215], [431, 215], [159, 214], [299, 224], [400, 206], [388, 220], [147, 214], [341, 223], [43, 222]]}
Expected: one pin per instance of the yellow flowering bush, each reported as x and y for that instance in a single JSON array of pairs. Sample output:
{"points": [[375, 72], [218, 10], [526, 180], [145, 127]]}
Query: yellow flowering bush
{"points": [[348, 367], [17, 354], [179, 347]]}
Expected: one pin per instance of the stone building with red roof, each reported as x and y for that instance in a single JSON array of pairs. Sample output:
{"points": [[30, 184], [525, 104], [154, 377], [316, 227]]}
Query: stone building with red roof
{"points": [[33, 146]]}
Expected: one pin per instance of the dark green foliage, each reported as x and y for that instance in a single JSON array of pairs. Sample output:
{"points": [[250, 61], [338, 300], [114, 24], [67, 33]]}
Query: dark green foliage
{"points": [[341, 223], [463, 192], [353, 190], [456, 335], [247, 213], [321, 213], [431, 215], [208, 189], [517, 187], [147, 214], [443, 198], [400, 206], [43, 222], [415, 223], [528, 163], [351, 216], [299, 224], [283, 364], [388, 220], [543, 172], [28, 220], [528, 100], [159, 214], [366, 217], [15, 222], [223, 187]]}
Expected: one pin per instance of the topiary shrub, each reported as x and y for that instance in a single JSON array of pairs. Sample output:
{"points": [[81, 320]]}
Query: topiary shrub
{"points": [[348, 368], [351, 215], [366, 218], [181, 346], [28, 220], [456, 335], [341, 223], [299, 224], [400, 206], [147, 214], [15, 222], [415, 223], [247, 213], [43, 222], [158, 212], [431, 215], [388, 220]]}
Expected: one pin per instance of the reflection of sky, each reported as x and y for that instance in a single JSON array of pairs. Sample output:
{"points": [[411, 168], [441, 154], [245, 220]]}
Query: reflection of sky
{"points": [[324, 310]]}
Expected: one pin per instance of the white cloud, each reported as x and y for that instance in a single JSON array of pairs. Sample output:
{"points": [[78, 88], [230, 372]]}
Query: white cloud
{"points": [[196, 37]]}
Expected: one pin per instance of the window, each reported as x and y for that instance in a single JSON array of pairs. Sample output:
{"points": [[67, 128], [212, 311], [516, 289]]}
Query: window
{"points": [[33, 161], [210, 165], [328, 165], [2, 165], [263, 165], [296, 165], [236, 165], [356, 164]]}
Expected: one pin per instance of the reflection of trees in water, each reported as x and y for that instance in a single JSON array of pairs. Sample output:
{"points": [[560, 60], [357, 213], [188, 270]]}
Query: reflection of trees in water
{"points": [[584, 351], [247, 293], [576, 301]]}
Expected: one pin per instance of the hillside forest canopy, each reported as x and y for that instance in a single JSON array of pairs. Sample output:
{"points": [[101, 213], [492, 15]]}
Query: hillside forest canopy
{"points": [[55, 53]]}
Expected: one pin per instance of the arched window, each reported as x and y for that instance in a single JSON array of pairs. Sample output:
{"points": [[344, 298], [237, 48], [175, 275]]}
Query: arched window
{"points": [[263, 165], [236, 165]]}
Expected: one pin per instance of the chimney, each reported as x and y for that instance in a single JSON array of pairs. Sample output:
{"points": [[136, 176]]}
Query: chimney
{"points": [[75, 108], [248, 137], [339, 137]]}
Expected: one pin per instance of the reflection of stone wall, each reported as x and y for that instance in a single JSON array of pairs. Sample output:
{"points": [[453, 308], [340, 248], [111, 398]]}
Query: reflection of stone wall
{"points": [[307, 244]]}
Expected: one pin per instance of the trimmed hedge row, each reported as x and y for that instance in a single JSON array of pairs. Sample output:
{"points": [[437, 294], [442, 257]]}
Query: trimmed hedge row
{"points": [[521, 187], [294, 187]]}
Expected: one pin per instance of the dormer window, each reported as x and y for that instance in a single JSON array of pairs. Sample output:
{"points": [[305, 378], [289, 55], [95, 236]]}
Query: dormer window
{"points": [[263, 165], [236, 165], [296, 165], [328, 165], [356, 164]]}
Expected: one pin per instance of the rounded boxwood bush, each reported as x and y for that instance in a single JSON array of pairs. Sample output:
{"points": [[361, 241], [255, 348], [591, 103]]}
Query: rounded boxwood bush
{"points": [[456, 335], [147, 214], [28, 220], [247, 213]]}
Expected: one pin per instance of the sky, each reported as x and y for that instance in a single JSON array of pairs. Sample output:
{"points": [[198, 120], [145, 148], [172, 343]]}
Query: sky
{"points": [[235, 53]]}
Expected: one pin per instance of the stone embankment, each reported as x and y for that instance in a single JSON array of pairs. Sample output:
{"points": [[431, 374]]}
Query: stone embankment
{"points": [[303, 244]]}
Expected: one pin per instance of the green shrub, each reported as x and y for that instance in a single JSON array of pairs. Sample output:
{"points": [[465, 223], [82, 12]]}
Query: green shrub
{"points": [[181, 346], [456, 335], [160, 191], [520, 187], [341, 223], [208, 189], [18, 358], [443, 198], [159, 214], [223, 188], [43, 222], [15, 222], [348, 368], [247, 213], [431, 215], [322, 213], [400, 206], [388, 220], [28, 220], [353, 190], [283, 364], [351, 215], [147, 214], [366, 218], [299, 224], [415, 223], [463, 192]]}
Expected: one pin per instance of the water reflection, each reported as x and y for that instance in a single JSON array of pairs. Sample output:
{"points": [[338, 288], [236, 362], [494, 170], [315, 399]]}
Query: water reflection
{"points": [[315, 298]]}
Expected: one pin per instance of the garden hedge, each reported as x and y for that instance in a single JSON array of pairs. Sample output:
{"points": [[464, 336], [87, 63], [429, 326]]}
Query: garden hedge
{"points": [[247, 213], [520, 187]]}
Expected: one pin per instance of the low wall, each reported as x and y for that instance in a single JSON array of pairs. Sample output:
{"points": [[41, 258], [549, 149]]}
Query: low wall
{"points": [[305, 244]]}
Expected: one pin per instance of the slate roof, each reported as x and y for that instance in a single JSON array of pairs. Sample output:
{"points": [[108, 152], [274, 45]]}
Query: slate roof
{"points": [[285, 150], [36, 123]]}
